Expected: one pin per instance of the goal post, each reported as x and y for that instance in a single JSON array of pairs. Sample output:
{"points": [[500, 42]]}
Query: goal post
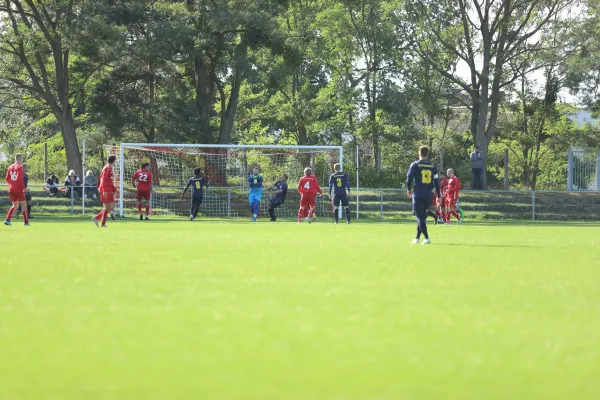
{"points": [[227, 167]]}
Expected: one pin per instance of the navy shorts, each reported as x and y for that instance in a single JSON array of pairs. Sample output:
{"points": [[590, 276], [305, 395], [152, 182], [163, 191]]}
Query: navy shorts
{"points": [[421, 205], [275, 202], [343, 198], [197, 200]]}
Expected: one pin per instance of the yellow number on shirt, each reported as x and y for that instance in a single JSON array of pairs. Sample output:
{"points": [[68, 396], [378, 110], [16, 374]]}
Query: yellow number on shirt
{"points": [[426, 176], [339, 182], [198, 185]]}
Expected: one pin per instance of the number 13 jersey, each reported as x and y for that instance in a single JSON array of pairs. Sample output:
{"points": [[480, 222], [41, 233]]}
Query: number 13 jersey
{"points": [[422, 173]]}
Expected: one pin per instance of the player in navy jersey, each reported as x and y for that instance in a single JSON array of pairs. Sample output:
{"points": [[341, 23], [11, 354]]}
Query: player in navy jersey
{"points": [[339, 184], [281, 189], [198, 182], [423, 177]]}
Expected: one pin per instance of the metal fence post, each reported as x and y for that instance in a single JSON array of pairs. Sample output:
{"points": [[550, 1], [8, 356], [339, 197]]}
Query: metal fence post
{"points": [[570, 170], [228, 202], [506, 169], [598, 171], [533, 204], [381, 204]]}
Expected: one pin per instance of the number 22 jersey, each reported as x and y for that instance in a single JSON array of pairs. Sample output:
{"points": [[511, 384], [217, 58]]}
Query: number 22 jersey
{"points": [[144, 180]]}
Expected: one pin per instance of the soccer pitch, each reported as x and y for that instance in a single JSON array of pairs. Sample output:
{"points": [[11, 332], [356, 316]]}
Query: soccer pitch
{"points": [[170, 309]]}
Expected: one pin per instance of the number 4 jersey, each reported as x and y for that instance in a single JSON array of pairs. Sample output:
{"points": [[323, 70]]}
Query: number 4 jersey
{"points": [[15, 177], [421, 176], [308, 185]]}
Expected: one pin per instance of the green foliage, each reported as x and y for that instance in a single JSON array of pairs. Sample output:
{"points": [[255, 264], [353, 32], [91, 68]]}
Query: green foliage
{"points": [[378, 73]]}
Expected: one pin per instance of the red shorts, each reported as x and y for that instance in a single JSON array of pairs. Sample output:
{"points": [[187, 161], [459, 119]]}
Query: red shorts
{"points": [[143, 195], [450, 202], [107, 197], [308, 200], [16, 196]]}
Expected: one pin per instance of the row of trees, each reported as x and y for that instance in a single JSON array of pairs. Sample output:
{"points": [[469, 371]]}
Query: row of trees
{"points": [[384, 74]]}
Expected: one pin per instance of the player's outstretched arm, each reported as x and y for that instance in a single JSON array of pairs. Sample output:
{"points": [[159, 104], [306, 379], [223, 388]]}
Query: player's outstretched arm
{"points": [[185, 189], [409, 179]]}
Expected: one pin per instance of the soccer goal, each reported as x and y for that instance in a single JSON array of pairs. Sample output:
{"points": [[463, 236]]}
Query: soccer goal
{"points": [[227, 167]]}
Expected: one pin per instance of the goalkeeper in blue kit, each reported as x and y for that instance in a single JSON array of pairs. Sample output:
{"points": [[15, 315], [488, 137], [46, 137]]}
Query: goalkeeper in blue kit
{"points": [[255, 181]]}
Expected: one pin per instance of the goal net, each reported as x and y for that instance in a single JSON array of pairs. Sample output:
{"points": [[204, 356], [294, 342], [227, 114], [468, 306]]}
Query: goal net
{"points": [[583, 169], [227, 167]]}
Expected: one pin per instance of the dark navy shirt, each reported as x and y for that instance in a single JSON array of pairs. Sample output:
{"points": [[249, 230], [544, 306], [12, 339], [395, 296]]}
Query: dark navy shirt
{"points": [[283, 187], [339, 183], [25, 179], [422, 178], [197, 183]]}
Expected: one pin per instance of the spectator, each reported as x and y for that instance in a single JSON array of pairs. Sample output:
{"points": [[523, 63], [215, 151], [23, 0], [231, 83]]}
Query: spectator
{"points": [[72, 182], [52, 185], [477, 169], [90, 185]]}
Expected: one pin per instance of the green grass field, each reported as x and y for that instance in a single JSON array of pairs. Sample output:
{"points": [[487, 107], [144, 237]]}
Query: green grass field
{"points": [[170, 309]]}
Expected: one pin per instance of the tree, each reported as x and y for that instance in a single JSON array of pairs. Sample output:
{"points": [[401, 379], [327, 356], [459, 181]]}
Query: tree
{"points": [[142, 96], [292, 80], [37, 63], [583, 68], [494, 39], [218, 60]]}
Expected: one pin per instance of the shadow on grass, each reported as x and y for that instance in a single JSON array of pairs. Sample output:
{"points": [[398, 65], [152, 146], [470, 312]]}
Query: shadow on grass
{"points": [[501, 246]]}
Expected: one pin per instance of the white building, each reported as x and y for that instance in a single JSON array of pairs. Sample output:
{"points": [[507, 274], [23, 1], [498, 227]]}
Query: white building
{"points": [[582, 118]]}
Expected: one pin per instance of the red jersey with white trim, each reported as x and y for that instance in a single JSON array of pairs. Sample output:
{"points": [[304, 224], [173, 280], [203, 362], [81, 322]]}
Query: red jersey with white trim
{"points": [[309, 185], [453, 188], [144, 180], [15, 177], [106, 180]]}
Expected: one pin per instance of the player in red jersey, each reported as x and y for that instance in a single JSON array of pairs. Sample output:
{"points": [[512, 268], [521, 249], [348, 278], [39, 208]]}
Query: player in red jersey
{"points": [[308, 186], [107, 190], [441, 211], [142, 179], [15, 177], [452, 193]]}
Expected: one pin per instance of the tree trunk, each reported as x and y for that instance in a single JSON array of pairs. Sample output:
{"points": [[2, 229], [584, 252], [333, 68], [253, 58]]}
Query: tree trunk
{"points": [[67, 129], [228, 115], [203, 99], [484, 144], [152, 95], [377, 151]]}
